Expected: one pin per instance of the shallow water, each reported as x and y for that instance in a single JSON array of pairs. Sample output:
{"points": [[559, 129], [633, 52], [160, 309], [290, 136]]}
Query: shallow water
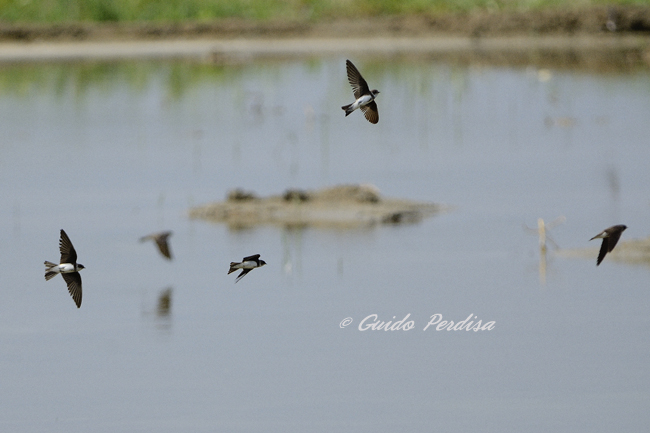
{"points": [[113, 151]]}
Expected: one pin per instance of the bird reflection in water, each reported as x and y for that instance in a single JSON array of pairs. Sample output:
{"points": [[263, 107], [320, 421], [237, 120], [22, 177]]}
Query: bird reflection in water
{"points": [[164, 307], [161, 313]]}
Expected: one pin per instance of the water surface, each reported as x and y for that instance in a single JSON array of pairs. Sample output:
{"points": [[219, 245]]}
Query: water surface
{"points": [[113, 151]]}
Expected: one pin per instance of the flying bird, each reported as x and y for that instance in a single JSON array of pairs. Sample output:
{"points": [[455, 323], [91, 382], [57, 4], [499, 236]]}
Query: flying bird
{"points": [[246, 265], [365, 97], [68, 268], [610, 237], [161, 241]]}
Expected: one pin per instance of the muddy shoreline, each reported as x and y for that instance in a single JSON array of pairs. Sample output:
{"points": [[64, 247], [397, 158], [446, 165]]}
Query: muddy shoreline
{"points": [[581, 38], [578, 21], [600, 53]]}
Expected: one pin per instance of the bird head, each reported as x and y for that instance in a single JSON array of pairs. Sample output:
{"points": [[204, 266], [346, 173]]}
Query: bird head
{"points": [[262, 263], [80, 266], [375, 92]]}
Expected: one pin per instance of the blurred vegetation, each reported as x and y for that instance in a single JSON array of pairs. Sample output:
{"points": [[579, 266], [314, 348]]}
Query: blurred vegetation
{"points": [[66, 11], [77, 79]]}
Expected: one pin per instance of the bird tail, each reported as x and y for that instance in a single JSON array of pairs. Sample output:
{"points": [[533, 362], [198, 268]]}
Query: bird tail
{"points": [[49, 273], [348, 109], [232, 267]]}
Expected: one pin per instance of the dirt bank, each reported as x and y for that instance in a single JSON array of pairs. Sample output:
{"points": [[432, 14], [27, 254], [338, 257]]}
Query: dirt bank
{"points": [[594, 39], [594, 20]]}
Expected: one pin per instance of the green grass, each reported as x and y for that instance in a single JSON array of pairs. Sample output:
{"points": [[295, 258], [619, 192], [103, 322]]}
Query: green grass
{"points": [[66, 11]]}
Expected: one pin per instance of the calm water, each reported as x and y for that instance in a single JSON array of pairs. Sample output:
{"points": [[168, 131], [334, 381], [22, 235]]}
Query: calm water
{"points": [[111, 152]]}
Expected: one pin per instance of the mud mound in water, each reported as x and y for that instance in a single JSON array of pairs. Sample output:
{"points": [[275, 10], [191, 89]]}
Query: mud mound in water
{"points": [[339, 206]]}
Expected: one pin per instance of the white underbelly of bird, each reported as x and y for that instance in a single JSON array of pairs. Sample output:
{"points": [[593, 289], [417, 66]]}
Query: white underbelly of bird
{"points": [[245, 265], [364, 100], [54, 269]]}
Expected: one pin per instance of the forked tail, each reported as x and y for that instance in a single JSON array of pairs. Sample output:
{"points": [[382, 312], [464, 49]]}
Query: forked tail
{"points": [[49, 273], [348, 109], [232, 269]]}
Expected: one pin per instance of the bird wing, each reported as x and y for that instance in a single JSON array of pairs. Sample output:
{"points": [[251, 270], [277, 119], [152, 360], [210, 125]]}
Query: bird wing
{"points": [[73, 279], [359, 85], [371, 112], [254, 258], [613, 240], [243, 274], [68, 253], [603, 250], [163, 246]]}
